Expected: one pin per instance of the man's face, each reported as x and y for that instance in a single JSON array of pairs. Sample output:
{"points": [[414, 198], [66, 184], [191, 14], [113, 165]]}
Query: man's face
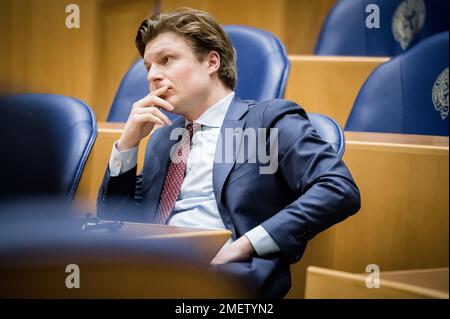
{"points": [[171, 62]]}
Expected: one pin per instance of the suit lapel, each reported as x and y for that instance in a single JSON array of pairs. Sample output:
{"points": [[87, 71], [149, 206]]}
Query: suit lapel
{"points": [[233, 123]]}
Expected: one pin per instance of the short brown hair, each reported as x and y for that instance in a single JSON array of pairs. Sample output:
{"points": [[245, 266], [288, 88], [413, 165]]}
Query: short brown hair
{"points": [[202, 32]]}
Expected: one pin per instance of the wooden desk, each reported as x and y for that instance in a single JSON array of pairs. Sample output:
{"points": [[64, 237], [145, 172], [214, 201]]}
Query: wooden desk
{"points": [[134, 261], [207, 241], [328, 85], [423, 283]]}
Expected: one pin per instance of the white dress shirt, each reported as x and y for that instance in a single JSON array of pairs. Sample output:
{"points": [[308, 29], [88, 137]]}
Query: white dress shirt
{"points": [[196, 204]]}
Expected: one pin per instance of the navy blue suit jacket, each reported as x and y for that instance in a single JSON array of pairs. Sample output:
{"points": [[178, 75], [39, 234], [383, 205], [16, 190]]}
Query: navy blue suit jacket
{"points": [[310, 191]]}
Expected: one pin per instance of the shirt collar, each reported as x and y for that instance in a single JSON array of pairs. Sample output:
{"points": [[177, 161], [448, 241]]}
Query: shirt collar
{"points": [[214, 116]]}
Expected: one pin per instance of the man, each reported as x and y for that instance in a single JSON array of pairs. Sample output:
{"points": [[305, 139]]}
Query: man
{"points": [[191, 181]]}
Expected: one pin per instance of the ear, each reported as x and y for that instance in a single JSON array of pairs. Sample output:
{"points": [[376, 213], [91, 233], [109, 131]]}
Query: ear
{"points": [[213, 59]]}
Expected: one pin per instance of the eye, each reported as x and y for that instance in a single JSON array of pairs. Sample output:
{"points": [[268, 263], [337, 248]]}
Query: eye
{"points": [[166, 59]]}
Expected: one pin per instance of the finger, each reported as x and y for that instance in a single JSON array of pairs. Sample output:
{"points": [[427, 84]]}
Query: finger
{"points": [[159, 91], [155, 111], [154, 101], [150, 118], [216, 262]]}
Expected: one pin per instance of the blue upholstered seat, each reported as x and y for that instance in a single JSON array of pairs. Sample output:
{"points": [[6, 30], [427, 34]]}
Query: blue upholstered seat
{"points": [[329, 130], [408, 94], [402, 24], [46, 140]]}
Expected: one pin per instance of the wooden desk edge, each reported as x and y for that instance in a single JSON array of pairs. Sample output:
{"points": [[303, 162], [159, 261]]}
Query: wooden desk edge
{"points": [[440, 143], [203, 233], [392, 138], [334, 59], [110, 126], [383, 282]]}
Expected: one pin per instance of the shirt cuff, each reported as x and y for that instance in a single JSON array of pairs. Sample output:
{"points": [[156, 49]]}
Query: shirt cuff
{"points": [[123, 161], [262, 242]]}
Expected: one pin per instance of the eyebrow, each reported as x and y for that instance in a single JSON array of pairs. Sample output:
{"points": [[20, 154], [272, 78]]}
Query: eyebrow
{"points": [[158, 53]]}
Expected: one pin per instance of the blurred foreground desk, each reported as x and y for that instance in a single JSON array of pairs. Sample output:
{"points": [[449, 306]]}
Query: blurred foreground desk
{"points": [[44, 256], [207, 242], [422, 283]]}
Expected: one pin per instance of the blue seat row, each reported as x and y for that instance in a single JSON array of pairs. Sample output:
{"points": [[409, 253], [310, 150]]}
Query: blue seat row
{"points": [[380, 27]]}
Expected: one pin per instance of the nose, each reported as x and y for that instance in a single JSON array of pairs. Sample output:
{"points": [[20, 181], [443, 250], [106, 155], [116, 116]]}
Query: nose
{"points": [[154, 76]]}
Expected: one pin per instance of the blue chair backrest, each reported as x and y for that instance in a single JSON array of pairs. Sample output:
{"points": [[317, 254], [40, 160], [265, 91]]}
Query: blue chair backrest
{"points": [[408, 94], [46, 140], [402, 23], [329, 130], [262, 63], [134, 86]]}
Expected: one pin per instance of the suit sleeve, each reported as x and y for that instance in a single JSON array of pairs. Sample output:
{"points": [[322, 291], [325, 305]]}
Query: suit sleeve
{"points": [[120, 197], [325, 190]]}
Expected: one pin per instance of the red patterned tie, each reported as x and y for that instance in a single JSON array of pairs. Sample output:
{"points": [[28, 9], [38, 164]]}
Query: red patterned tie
{"points": [[175, 176]]}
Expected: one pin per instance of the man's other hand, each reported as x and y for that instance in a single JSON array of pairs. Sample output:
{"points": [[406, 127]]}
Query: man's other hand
{"points": [[239, 250]]}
